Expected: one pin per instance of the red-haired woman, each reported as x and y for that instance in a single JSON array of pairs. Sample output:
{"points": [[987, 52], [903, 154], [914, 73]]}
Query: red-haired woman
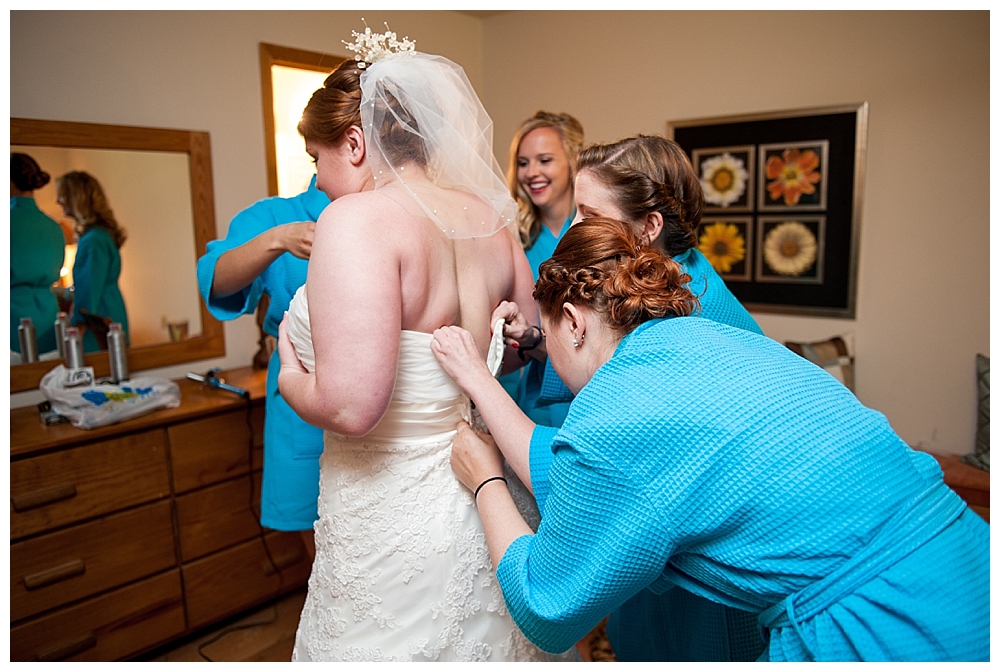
{"points": [[700, 455]]}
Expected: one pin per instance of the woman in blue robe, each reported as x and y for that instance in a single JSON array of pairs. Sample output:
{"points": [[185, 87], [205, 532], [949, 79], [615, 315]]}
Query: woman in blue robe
{"points": [[37, 251], [98, 262], [648, 181], [543, 156], [704, 456], [266, 251]]}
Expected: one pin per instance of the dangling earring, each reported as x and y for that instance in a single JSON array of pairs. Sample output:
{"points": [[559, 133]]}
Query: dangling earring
{"points": [[576, 343]]}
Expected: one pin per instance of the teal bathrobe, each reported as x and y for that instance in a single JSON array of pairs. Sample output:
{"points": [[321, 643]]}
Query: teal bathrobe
{"points": [[675, 625], [37, 252], [291, 446], [715, 459]]}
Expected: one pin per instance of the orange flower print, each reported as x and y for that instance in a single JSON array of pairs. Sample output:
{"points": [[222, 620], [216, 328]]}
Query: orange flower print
{"points": [[794, 174]]}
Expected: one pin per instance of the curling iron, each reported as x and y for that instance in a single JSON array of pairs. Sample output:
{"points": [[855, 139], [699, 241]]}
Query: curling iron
{"points": [[213, 380]]}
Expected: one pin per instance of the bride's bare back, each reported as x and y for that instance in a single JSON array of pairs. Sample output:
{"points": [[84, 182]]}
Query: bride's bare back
{"points": [[379, 265]]}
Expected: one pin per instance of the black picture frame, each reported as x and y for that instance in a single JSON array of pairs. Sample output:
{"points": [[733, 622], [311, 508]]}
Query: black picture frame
{"points": [[802, 174]]}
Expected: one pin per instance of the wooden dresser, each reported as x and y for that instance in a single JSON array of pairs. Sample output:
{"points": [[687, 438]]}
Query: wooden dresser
{"points": [[128, 536]]}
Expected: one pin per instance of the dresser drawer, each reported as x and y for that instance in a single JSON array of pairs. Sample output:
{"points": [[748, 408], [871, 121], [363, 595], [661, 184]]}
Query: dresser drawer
{"points": [[52, 490], [225, 583], [113, 626], [214, 449], [218, 516], [70, 564]]}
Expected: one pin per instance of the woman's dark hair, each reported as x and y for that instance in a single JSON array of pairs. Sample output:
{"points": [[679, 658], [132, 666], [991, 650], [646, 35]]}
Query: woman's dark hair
{"points": [[86, 203], [336, 106], [601, 263], [25, 173], [647, 173]]}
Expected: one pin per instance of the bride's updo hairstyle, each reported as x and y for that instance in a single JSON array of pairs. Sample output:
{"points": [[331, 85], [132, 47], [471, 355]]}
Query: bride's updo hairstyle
{"points": [[647, 173], [336, 106], [600, 263]]}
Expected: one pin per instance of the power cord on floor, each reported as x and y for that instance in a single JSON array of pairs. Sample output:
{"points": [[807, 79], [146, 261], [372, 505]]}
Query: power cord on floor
{"points": [[234, 628]]}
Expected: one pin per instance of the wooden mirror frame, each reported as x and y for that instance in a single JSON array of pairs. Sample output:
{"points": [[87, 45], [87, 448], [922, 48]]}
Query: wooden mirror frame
{"points": [[211, 342]]}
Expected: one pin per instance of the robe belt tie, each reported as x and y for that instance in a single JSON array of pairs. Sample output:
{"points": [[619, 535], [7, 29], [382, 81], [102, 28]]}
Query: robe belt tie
{"points": [[921, 520]]}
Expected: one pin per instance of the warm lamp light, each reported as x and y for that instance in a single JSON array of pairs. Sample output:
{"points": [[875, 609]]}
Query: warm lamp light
{"points": [[292, 88], [66, 272]]}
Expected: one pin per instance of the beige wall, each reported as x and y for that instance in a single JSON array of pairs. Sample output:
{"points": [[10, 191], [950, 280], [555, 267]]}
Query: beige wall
{"points": [[923, 290], [923, 296]]}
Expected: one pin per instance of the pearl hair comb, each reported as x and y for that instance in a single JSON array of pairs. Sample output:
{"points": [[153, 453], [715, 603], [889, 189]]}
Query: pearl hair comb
{"points": [[369, 47]]}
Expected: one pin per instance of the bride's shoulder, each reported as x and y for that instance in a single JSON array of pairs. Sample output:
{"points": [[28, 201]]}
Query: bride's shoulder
{"points": [[366, 208]]}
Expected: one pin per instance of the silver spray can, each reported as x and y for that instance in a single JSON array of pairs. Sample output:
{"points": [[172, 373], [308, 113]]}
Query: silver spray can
{"points": [[61, 325], [74, 349], [116, 353], [28, 339]]}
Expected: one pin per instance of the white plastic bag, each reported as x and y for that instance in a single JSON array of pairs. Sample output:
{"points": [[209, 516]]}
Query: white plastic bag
{"points": [[90, 406]]}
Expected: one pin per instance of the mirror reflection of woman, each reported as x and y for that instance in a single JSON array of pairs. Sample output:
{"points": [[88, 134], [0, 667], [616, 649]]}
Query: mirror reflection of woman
{"points": [[98, 262], [37, 251]]}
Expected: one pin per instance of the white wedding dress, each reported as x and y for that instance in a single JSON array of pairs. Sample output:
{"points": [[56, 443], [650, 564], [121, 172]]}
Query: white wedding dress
{"points": [[402, 571]]}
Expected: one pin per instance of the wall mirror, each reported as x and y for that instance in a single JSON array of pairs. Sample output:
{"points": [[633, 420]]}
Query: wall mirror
{"points": [[159, 184]]}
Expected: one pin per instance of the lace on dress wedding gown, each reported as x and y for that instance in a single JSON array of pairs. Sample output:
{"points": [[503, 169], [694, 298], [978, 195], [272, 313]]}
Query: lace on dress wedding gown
{"points": [[402, 570]]}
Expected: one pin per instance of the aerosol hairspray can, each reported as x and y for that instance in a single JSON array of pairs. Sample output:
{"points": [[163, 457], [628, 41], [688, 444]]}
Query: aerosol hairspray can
{"points": [[28, 339], [61, 325], [116, 353], [74, 349]]}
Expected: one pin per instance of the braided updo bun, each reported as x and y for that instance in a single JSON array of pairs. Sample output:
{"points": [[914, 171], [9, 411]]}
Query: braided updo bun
{"points": [[601, 263], [648, 173], [334, 107]]}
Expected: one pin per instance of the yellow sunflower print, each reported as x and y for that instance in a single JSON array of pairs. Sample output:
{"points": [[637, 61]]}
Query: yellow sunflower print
{"points": [[722, 245]]}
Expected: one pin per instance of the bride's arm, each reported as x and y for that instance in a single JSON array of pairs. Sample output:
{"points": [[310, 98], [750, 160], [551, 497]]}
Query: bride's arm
{"points": [[354, 313]]}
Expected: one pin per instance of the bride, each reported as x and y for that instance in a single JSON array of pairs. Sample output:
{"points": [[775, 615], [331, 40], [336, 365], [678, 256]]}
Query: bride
{"points": [[417, 237]]}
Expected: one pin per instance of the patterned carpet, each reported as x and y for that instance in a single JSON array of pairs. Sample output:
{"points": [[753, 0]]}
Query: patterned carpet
{"points": [[598, 646]]}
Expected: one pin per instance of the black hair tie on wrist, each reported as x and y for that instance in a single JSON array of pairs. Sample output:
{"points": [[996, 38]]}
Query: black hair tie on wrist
{"points": [[493, 478], [523, 349]]}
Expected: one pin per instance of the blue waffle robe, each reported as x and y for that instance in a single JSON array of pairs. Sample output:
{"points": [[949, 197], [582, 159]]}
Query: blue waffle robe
{"points": [[96, 270], [715, 459], [291, 447], [676, 625]]}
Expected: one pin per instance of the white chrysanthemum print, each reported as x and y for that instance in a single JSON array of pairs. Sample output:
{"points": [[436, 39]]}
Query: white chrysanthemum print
{"points": [[790, 248], [723, 179]]}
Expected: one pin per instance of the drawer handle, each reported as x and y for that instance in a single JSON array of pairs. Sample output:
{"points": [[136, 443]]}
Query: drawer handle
{"points": [[282, 562], [52, 575], [38, 498], [67, 648]]}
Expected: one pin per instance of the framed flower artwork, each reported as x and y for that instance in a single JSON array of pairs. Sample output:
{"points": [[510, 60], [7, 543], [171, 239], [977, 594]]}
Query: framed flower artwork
{"points": [[793, 176], [783, 194], [726, 175], [727, 243], [790, 249]]}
